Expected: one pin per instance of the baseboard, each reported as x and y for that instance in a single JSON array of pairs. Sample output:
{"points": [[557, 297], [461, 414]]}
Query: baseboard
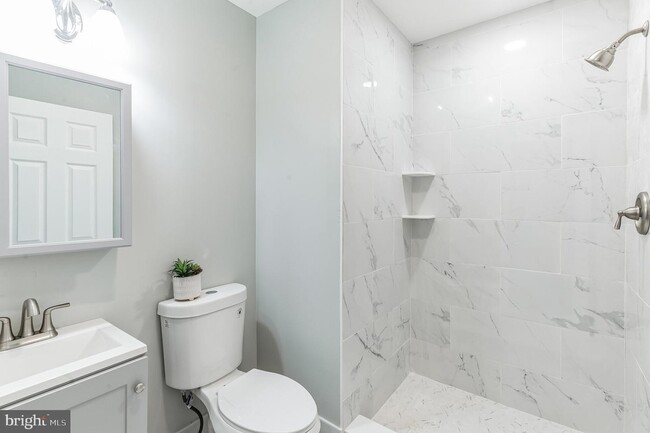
{"points": [[325, 426], [328, 427]]}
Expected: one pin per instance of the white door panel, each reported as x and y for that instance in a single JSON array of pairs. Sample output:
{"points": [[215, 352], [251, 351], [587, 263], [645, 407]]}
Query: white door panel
{"points": [[70, 196]]}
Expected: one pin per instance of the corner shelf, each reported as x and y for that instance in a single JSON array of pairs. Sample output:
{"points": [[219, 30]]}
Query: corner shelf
{"points": [[418, 174], [418, 217]]}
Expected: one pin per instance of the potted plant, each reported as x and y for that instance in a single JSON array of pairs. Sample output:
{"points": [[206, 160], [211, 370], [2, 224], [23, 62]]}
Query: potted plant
{"points": [[186, 276]]}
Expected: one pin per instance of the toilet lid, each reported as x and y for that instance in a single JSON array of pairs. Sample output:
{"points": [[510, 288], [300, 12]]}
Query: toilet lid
{"points": [[264, 402]]}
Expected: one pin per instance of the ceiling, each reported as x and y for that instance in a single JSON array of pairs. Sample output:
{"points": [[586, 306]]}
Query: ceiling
{"points": [[420, 20], [257, 7]]}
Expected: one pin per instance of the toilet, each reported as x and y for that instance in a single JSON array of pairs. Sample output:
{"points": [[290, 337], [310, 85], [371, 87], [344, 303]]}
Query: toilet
{"points": [[202, 345]]}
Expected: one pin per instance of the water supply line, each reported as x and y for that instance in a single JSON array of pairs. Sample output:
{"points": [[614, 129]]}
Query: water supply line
{"points": [[188, 398]]}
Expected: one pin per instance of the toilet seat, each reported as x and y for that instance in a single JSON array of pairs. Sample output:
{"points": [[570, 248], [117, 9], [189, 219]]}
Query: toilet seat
{"points": [[261, 402]]}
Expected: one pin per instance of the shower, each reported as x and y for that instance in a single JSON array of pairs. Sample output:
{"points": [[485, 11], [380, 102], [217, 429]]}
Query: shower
{"points": [[603, 59]]}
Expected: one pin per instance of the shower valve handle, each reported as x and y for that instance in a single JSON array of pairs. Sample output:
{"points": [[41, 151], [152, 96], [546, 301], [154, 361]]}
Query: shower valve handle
{"points": [[639, 213], [632, 213]]}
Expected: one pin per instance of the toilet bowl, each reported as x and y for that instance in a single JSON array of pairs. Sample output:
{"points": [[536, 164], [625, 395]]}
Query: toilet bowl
{"points": [[202, 348], [259, 402]]}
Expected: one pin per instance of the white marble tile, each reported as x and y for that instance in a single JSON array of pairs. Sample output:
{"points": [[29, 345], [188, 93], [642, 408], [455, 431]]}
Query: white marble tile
{"points": [[558, 89], [360, 83], [637, 398], [534, 144], [431, 322], [357, 362], [523, 45], [358, 205], [470, 195], [401, 322], [595, 139], [357, 307], [580, 407], [430, 240], [421, 405], [390, 195], [580, 195], [593, 250], [467, 372], [432, 153], [528, 345], [476, 332], [367, 247], [584, 304], [367, 141], [402, 239], [468, 286], [591, 25], [456, 107], [532, 346], [432, 66], [516, 244], [594, 360]]}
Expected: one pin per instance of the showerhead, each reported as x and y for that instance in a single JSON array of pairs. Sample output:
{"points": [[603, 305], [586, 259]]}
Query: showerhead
{"points": [[604, 58]]}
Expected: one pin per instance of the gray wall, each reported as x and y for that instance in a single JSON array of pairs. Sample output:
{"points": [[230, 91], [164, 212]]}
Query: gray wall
{"points": [[298, 196], [193, 74]]}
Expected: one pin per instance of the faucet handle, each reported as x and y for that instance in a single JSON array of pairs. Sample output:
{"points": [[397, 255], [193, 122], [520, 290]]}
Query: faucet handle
{"points": [[6, 333], [640, 213], [48, 326], [633, 213]]}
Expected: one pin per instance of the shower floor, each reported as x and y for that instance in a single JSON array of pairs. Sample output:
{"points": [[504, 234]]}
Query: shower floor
{"points": [[422, 405]]}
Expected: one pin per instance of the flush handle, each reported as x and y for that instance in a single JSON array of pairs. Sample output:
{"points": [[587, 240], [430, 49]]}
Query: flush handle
{"points": [[640, 213]]}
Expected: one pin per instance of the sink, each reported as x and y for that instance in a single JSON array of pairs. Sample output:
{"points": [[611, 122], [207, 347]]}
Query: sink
{"points": [[79, 350]]}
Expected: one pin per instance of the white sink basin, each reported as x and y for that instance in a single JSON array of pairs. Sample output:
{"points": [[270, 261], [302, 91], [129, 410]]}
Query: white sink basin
{"points": [[79, 350]]}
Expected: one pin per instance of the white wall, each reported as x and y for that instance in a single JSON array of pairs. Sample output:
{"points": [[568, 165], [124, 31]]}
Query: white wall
{"points": [[192, 68], [518, 288], [637, 294], [298, 196]]}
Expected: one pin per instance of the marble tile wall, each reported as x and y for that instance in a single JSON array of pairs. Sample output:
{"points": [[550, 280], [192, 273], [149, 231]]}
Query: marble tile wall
{"points": [[377, 134], [517, 288], [637, 293]]}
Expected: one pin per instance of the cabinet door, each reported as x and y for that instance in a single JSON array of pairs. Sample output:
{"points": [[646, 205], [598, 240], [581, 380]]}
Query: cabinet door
{"points": [[103, 403]]}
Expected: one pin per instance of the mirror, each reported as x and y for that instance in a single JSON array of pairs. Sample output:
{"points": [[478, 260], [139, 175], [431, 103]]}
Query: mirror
{"points": [[65, 168]]}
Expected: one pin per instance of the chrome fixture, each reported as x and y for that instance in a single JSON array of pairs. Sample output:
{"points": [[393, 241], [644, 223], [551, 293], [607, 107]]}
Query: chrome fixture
{"points": [[603, 59], [69, 22], [639, 213], [27, 335], [30, 309]]}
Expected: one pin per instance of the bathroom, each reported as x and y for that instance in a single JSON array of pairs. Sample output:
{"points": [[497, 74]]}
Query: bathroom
{"points": [[409, 207]]}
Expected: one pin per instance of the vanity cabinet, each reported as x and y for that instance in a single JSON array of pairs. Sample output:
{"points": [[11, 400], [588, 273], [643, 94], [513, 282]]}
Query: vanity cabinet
{"points": [[111, 401]]}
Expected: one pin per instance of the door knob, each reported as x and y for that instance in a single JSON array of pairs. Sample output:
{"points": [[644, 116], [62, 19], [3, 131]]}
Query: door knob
{"points": [[639, 213]]}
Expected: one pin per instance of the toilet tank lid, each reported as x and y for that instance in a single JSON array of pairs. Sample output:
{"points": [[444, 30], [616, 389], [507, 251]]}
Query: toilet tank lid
{"points": [[211, 300]]}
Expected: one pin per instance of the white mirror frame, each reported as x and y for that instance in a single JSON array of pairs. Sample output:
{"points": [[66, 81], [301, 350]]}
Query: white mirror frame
{"points": [[8, 250]]}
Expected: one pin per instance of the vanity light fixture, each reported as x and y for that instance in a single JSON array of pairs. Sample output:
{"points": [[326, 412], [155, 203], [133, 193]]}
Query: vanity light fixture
{"points": [[604, 58], [69, 22]]}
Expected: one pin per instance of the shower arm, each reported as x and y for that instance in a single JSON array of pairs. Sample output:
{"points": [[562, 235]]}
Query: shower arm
{"points": [[643, 29]]}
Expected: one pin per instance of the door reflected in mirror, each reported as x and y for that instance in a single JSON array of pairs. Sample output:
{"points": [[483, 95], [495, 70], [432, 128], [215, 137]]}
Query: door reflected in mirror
{"points": [[65, 154]]}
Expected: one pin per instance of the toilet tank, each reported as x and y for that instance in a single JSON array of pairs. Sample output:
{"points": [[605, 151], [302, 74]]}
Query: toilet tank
{"points": [[203, 339]]}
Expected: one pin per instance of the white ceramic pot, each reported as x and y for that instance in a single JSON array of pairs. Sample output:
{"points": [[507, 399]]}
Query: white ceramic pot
{"points": [[188, 288]]}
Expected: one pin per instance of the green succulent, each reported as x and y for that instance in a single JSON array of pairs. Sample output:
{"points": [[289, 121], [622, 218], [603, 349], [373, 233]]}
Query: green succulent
{"points": [[185, 268]]}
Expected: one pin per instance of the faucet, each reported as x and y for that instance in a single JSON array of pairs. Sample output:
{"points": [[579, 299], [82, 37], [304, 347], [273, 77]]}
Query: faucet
{"points": [[30, 309], [27, 335]]}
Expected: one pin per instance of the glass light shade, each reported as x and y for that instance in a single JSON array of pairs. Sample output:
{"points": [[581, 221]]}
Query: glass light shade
{"points": [[105, 33]]}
